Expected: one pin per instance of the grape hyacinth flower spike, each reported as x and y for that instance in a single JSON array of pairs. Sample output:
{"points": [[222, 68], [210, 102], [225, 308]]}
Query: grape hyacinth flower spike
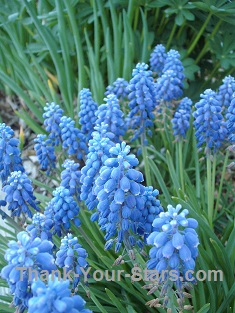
{"points": [[73, 140], [61, 210], [99, 147], [157, 59], [230, 122], [88, 107], [52, 117], [119, 88], [19, 195], [111, 114], [72, 256], [121, 202], [26, 258], [70, 177], [226, 91], [174, 252], [45, 152], [210, 128], [55, 297], [142, 98], [10, 159]]}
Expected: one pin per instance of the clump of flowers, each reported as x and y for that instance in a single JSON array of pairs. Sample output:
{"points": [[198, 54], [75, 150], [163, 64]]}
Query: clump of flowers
{"points": [[157, 59], [210, 128], [73, 140], [19, 195], [10, 159], [40, 227], [99, 147], [72, 256], [174, 64], [119, 88], [226, 91], [88, 107], [52, 117], [180, 123], [70, 177], [175, 243], [230, 122], [120, 196], [61, 210], [110, 114], [45, 152], [26, 257], [55, 297], [142, 98]]}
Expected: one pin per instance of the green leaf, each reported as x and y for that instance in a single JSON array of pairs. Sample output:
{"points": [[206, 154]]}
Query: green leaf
{"points": [[205, 308]]}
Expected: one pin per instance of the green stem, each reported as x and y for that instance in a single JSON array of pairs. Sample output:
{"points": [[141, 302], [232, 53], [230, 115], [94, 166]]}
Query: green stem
{"points": [[213, 180], [180, 31], [221, 181], [209, 191], [192, 46], [181, 164], [146, 162], [171, 36], [197, 170]]}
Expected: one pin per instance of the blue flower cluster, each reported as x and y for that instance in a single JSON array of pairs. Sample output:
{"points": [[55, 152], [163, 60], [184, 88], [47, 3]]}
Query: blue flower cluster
{"points": [[99, 147], [40, 227], [174, 64], [10, 159], [230, 122], [157, 59], [30, 254], [110, 114], [181, 120], [61, 210], [175, 244], [52, 118], [169, 86], [226, 91], [70, 177], [210, 128], [72, 256], [119, 88], [142, 98], [152, 208], [88, 107], [73, 140], [121, 200], [45, 152], [55, 297], [19, 194]]}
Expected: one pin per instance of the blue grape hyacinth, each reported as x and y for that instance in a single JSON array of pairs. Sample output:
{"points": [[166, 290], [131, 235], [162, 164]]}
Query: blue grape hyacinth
{"points": [[175, 248], [142, 98], [73, 140], [157, 59], [111, 114], [52, 117], [180, 123], [226, 91], [169, 86], [70, 177], [174, 64], [119, 88], [62, 210], [26, 257], [19, 195], [210, 128], [152, 208], [55, 297], [230, 121], [185, 104], [121, 202], [45, 152], [40, 227], [88, 107], [72, 256], [10, 159], [99, 147]]}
